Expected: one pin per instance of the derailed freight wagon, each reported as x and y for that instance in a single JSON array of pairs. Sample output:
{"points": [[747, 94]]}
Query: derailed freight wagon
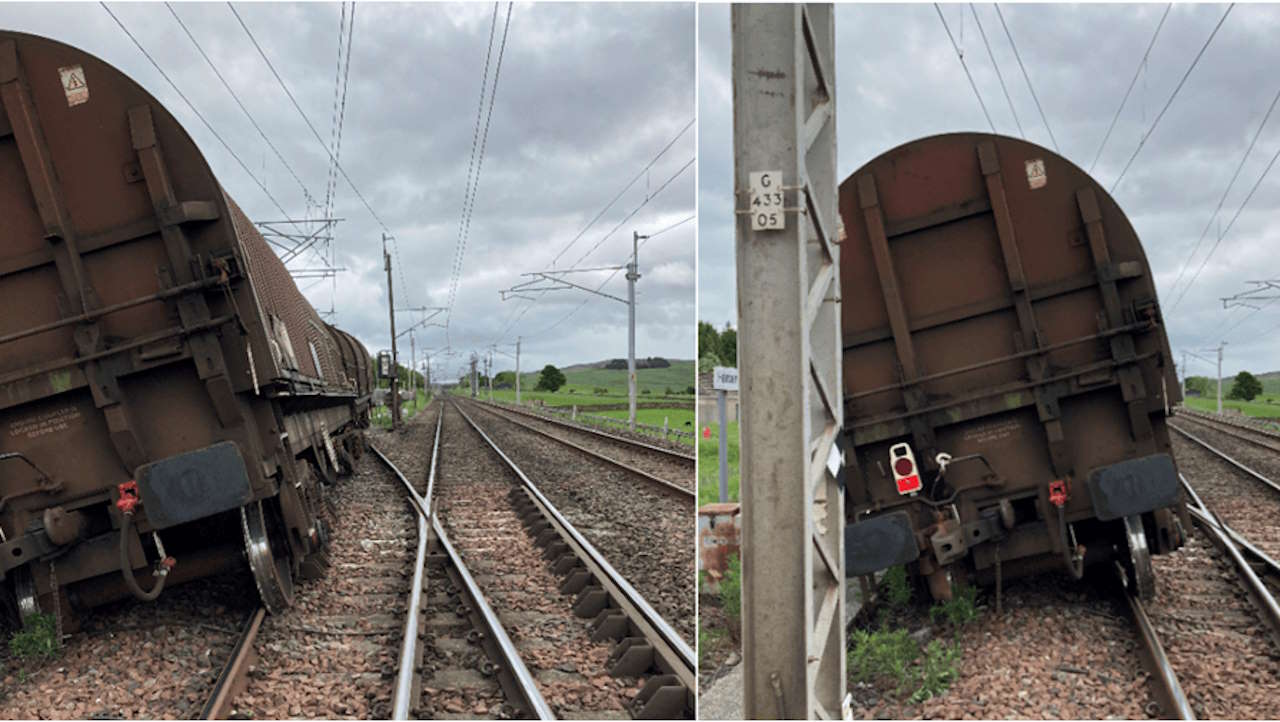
{"points": [[170, 404], [1006, 370]]}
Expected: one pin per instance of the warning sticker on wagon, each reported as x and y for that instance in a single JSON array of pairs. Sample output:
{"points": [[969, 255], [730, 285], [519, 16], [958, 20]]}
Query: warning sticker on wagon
{"points": [[48, 422], [74, 85], [1036, 176]]}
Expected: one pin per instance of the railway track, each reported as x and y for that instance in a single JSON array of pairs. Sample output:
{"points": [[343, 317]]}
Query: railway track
{"points": [[330, 654], [661, 465], [641, 526], [496, 555], [1200, 621], [545, 579], [1261, 438]]}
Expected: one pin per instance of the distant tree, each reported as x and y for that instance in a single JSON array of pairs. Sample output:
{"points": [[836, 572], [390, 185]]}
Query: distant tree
{"points": [[1199, 385], [729, 346], [550, 379], [708, 344], [504, 380], [1246, 386]]}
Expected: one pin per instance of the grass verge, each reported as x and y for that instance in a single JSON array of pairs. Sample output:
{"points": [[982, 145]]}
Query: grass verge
{"points": [[709, 464]]}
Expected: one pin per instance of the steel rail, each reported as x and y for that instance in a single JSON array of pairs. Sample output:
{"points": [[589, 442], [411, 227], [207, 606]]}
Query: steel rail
{"points": [[680, 456], [525, 685], [671, 486], [671, 653], [406, 690], [231, 680], [1222, 455], [1168, 689], [1234, 431], [1270, 567], [1263, 599]]}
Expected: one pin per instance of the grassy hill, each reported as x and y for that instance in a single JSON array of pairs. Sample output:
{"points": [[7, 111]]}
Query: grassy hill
{"points": [[582, 378]]}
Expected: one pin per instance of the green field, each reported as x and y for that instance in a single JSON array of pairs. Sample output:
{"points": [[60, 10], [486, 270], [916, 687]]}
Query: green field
{"points": [[582, 380], [709, 464], [581, 383], [676, 417], [559, 398], [1258, 407]]}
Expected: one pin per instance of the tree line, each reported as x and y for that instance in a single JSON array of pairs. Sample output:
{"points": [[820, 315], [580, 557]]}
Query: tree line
{"points": [[1244, 387], [716, 348]]}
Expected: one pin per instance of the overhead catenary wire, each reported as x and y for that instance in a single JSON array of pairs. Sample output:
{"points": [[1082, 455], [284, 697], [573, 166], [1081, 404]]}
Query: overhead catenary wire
{"points": [[636, 210], [340, 85], [1136, 73], [1226, 230], [999, 75], [1017, 56], [1146, 136], [964, 65], [609, 278], [342, 171], [1213, 216], [625, 188], [477, 155], [455, 267], [519, 313], [197, 113], [213, 66], [341, 81]]}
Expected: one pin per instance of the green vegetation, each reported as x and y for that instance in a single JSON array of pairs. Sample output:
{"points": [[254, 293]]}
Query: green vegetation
{"points": [[731, 591], [583, 380], [716, 348], [381, 415], [708, 639], [1246, 386], [936, 671], [894, 660], [897, 588], [1264, 408], [550, 379], [676, 418], [38, 638], [961, 610], [882, 654], [709, 464]]}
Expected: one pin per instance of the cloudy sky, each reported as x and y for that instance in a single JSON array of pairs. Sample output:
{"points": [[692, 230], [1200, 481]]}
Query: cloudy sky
{"points": [[588, 95], [898, 79]]}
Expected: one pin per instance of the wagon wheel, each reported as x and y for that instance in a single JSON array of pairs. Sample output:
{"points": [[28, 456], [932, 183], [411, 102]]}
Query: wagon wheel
{"points": [[268, 554], [1139, 566]]}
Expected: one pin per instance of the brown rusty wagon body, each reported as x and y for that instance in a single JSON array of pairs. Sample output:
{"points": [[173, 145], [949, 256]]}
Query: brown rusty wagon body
{"points": [[166, 392], [1006, 370]]}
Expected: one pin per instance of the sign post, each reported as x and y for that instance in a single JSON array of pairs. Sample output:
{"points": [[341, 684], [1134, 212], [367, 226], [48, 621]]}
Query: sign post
{"points": [[724, 380]]}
